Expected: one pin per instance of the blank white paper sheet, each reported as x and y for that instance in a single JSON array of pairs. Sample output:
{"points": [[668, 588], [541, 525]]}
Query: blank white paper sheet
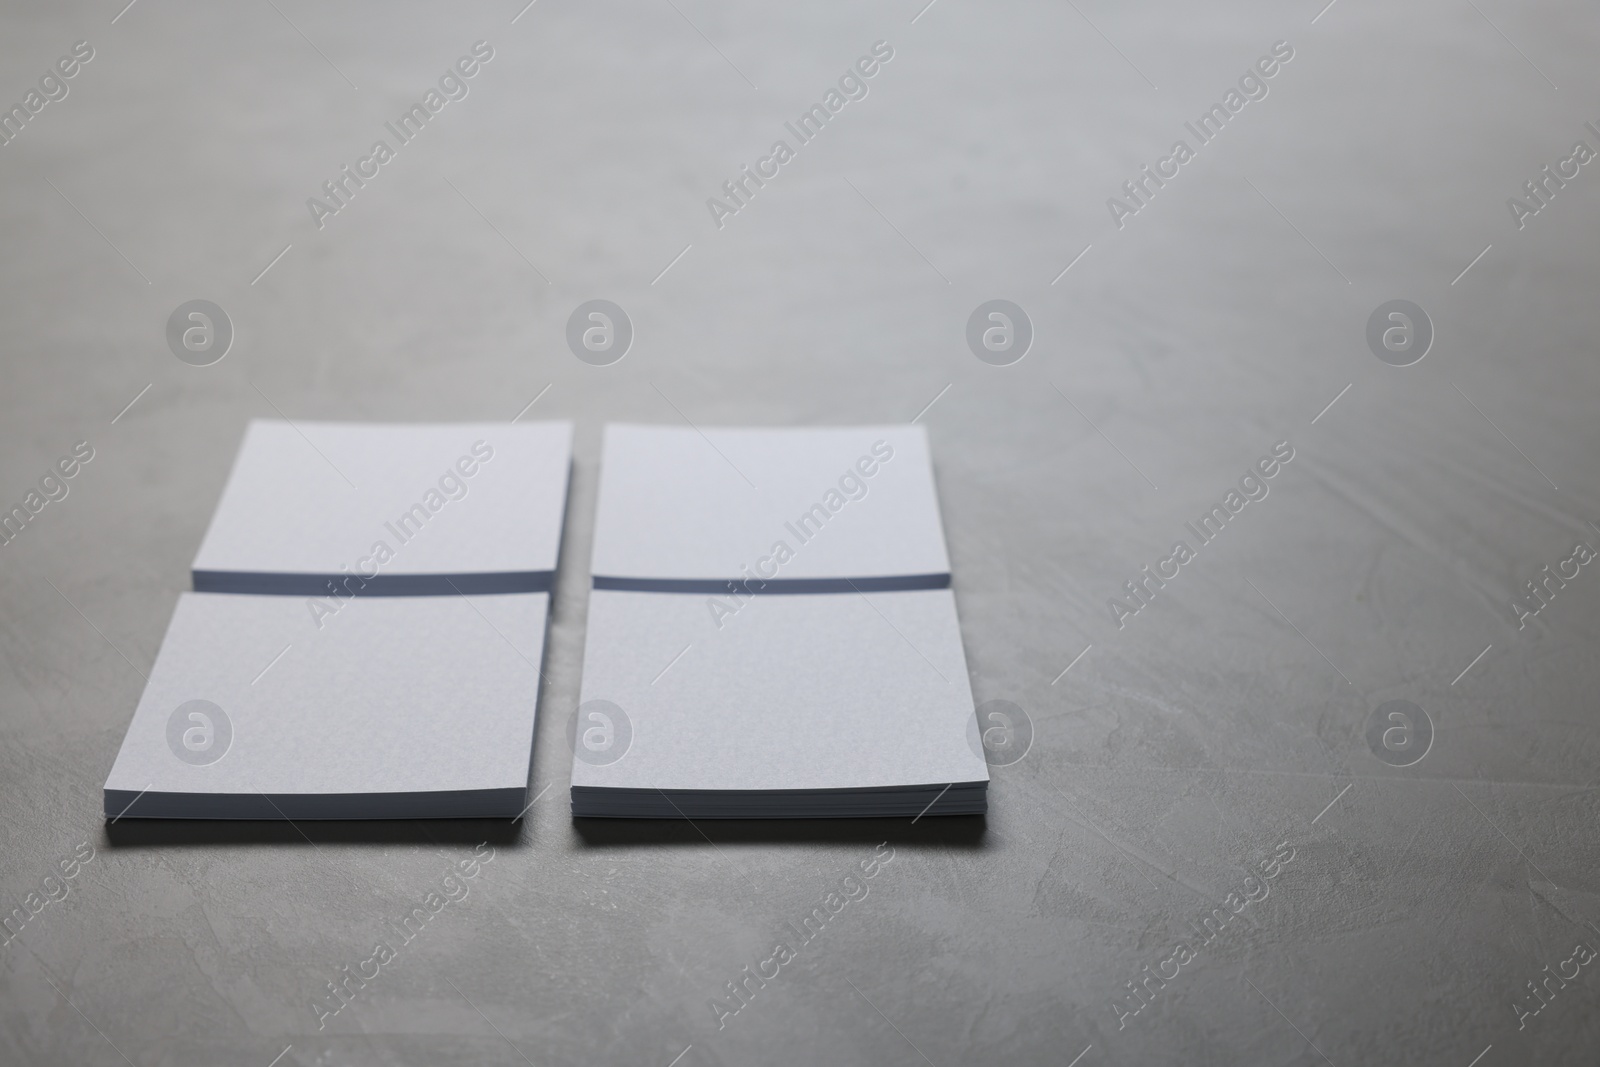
{"points": [[333, 508], [397, 707]]}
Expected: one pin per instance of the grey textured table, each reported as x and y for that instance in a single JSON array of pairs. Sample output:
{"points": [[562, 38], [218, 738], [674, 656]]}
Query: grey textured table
{"points": [[1175, 748]]}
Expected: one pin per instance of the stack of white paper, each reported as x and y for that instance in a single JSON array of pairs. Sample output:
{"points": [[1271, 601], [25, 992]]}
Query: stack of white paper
{"points": [[342, 657], [335, 509], [399, 708], [772, 632]]}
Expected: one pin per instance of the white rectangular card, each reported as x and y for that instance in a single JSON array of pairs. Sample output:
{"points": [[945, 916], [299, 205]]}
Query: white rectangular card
{"points": [[788, 505], [794, 692], [395, 707], [393, 509]]}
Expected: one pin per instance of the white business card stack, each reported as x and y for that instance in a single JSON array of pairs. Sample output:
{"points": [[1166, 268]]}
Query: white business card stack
{"points": [[367, 634], [399, 708], [333, 509], [771, 632]]}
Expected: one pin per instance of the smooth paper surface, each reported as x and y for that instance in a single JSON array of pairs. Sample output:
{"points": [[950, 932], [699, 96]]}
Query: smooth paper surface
{"points": [[400, 504], [783, 504], [398, 698], [806, 692]]}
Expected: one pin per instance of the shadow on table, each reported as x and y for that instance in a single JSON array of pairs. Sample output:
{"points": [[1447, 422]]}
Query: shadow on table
{"points": [[949, 831], [164, 833], [945, 831]]}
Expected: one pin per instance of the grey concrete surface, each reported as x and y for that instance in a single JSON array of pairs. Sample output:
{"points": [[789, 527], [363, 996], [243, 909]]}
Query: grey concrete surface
{"points": [[1227, 717]]}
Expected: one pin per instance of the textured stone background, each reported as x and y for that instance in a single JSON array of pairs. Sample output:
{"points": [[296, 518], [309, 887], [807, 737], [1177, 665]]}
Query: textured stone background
{"points": [[1174, 755]]}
